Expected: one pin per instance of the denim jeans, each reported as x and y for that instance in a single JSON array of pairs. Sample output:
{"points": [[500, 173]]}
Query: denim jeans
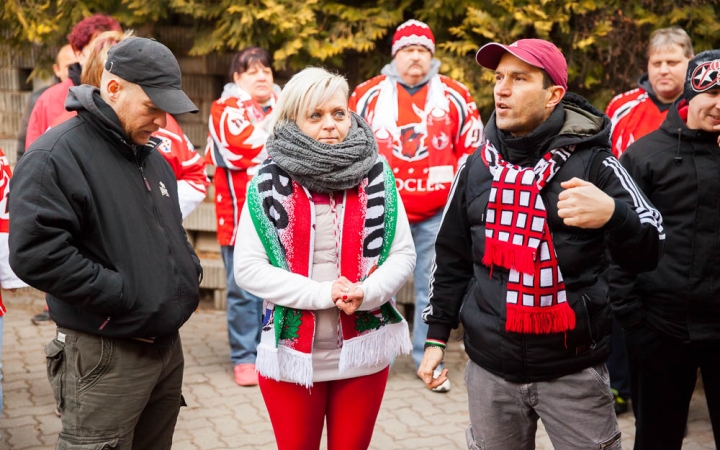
{"points": [[423, 234], [576, 410], [244, 315]]}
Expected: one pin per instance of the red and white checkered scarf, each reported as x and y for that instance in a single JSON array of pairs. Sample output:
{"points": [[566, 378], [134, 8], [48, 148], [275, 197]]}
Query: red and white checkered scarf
{"points": [[517, 238]]}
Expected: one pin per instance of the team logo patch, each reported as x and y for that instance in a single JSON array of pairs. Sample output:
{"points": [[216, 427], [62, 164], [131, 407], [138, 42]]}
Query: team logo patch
{"points": [[163, 190], [440, 141], [411, 145], [706, 75], [165, 145]]}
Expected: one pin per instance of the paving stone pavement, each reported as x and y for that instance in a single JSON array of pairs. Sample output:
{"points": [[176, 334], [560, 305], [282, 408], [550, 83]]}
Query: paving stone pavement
{"points": [[222, 415]]}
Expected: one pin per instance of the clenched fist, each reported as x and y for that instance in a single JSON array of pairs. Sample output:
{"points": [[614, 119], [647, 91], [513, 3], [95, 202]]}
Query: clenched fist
{"points": [[583, 205]]}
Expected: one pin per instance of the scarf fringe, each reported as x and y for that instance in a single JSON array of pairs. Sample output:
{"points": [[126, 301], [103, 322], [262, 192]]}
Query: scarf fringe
{"points": [[539, 320], [283, 363], [510, 256], [373, 348]]}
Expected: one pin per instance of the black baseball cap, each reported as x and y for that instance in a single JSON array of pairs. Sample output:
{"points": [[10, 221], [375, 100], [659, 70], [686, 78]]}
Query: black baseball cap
{"points": [[153, 67]]}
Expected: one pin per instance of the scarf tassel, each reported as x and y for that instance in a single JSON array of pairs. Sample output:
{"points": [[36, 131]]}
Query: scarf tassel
{"points": [[283, 363], [372, 349], [509, 256], [539, 320]]}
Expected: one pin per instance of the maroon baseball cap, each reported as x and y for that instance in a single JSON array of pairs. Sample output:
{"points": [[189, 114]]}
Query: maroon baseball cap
{"points": [[536, 52]]}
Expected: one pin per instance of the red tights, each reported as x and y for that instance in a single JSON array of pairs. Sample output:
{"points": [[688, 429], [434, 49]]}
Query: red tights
{"points": [[298, 413]]}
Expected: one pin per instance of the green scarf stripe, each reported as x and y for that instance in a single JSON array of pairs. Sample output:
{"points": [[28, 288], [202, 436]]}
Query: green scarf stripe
{"points": [[271, 241], [266, 231], [391, 211]]}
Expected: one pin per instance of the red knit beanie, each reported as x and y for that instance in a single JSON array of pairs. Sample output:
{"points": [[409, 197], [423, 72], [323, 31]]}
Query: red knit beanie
{"points": [[413, 32]]}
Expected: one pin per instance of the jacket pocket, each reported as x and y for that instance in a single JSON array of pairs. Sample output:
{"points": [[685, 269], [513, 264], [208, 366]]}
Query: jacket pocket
{"points": [[71, 442], [55, 362]]}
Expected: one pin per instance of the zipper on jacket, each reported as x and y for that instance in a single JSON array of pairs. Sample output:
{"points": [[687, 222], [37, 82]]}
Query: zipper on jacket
{"points": [[142, 171], [142, 174], [104, 323], [610, 443], [585, 300]]}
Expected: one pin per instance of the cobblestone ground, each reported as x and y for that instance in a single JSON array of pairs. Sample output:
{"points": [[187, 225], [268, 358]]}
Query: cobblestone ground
{"points": [[222, 415]]}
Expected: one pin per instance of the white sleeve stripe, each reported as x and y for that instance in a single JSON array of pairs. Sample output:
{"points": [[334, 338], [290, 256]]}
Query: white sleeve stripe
{"points": [[169, 134], [191, 161], [639, 203]]}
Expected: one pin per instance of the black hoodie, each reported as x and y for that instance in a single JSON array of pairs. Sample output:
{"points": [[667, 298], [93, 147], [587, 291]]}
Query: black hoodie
{"points": [[97, 226], [679, 170], [463, 289]]}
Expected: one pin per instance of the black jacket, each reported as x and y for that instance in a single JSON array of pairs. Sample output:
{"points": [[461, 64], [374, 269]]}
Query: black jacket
{"points": [[464, 289], [679, 170], [97, 226]]}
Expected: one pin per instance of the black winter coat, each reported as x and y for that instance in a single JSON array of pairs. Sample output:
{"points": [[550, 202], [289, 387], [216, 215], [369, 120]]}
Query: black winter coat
{"points": [[464, 289], [97, 226], [679, 170]]}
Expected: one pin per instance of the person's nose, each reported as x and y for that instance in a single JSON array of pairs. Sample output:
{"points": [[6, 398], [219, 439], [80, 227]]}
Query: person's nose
{"points": [[328, 123], [161, 119], [664, 68], [502, 88]]}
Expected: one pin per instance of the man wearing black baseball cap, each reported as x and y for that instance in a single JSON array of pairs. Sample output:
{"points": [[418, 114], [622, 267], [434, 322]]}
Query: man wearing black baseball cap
{"points": [[99, 230], [521, 259], [671, 316]]}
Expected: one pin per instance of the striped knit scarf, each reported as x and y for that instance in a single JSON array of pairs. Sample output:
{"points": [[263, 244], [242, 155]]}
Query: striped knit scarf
{"points": [[283, 215], [517, 238]]}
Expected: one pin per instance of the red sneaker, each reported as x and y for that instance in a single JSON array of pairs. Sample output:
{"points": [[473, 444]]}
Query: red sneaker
{"points": [[245, 375]]}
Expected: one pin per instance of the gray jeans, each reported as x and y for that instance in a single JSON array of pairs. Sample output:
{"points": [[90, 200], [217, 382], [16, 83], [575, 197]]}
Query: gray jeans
{"points": [[114, 393], [576, 410]]}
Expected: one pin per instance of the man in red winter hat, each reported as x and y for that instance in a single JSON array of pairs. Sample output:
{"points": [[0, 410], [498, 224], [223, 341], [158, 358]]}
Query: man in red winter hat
{"points": [[425, 125]]}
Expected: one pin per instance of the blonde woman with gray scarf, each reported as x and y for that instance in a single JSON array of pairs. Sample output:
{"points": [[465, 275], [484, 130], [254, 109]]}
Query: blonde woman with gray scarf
{"points": [[326, 243]]}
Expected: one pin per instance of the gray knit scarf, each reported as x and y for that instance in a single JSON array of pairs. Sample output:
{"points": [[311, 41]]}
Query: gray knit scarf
{"points": [[322, 167]]}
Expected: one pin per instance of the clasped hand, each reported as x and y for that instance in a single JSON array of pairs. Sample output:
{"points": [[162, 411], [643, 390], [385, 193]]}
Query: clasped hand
{"points": [[347, 295]]}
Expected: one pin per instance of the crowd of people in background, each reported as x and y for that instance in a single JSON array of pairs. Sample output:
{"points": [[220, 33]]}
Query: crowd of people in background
{"points": [[577, 249]]}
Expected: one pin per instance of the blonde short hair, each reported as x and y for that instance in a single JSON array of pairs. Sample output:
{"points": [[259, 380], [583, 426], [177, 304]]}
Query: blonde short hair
{"points": [[306, 90], [667, 37]]}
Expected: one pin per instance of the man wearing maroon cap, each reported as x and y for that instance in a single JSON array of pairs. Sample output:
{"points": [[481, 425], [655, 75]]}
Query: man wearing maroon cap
{"points": [[425, 125], [533, 218]]}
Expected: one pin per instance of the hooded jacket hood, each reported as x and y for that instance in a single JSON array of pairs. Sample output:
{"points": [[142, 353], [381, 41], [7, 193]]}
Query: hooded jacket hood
{"points": [[574, 121], [644, 84], [90, 106]]}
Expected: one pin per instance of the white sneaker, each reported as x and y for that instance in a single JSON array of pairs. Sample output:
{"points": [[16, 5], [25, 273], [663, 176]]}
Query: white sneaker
{"points": [[445, 387]]}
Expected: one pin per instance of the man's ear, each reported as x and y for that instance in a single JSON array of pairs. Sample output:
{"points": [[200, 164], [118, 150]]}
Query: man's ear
{"points": [[556, 95], [113, 89]]}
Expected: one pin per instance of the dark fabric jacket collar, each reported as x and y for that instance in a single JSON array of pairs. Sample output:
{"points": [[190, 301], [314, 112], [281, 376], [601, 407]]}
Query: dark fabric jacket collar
{"points": [[574, 121], [644, 84], [74, 73], [88, 103]]}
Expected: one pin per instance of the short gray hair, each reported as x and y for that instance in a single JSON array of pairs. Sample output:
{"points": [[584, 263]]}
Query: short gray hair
{"points": [[666, 37], [306, 90]]}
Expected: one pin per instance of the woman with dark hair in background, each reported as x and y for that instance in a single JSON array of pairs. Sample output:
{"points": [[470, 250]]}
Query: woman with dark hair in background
{"points": [[236, 145]]}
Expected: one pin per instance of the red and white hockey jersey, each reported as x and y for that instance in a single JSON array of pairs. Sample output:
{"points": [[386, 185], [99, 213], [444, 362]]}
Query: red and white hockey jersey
{"points": [[424, 136], [187, 164], [8, 279], [634, 114], [236, 146]]}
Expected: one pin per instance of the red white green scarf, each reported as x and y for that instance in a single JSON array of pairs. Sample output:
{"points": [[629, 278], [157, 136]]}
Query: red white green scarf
{"points": [[517, 238], [283, 215]]}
